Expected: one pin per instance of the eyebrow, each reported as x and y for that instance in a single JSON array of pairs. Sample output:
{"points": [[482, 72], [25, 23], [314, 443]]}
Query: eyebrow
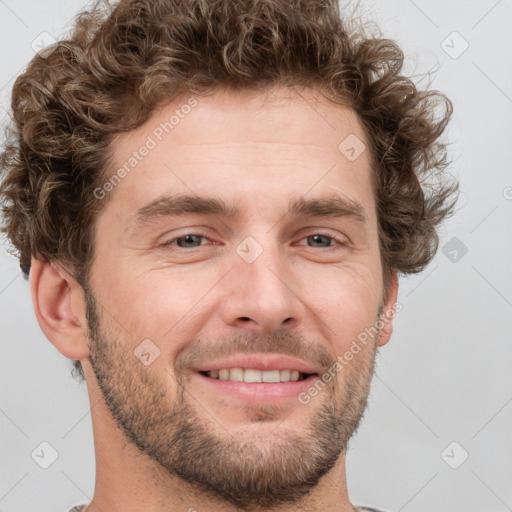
{"points": [[335, 206]]}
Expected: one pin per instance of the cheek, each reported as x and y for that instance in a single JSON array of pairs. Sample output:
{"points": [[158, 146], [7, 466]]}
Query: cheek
{"points": [[158, 303], [346, 300]]}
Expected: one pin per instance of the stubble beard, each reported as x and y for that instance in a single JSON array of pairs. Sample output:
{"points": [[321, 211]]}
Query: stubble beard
{"points": [[246, 471]]}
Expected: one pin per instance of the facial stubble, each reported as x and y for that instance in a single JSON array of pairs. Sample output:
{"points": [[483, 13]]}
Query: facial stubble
{"points": [[245, 471]]}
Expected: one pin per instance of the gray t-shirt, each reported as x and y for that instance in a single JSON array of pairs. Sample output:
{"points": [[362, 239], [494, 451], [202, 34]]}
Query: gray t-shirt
{"points": [[78, 508]]}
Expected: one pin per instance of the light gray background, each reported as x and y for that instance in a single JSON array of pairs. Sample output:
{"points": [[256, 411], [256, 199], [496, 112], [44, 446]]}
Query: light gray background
{"points": [[445, 375]]}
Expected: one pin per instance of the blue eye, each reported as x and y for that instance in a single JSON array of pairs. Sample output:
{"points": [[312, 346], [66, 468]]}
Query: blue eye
{"points": [[188, 241], [318, 239], [193, 240], [323, 239]]}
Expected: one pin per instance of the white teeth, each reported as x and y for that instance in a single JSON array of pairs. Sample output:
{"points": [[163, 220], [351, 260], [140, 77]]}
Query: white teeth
{"points": [[284, 375], [252, 375], [271, 376], [236, 374]]}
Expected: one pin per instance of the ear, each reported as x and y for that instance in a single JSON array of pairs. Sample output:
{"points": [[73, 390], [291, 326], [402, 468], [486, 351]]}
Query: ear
{"points": [[388, 312], [59, 305]]}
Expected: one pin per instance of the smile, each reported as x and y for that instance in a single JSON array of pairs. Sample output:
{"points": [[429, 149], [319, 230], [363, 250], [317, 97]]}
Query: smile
{"points": [[253, 375]]}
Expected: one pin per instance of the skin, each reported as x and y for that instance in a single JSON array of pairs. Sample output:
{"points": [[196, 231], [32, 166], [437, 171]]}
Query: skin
{"points": [[301, 296]]}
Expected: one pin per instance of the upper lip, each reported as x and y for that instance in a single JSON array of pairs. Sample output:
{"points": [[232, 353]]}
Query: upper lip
{"points": [[263, 362]]}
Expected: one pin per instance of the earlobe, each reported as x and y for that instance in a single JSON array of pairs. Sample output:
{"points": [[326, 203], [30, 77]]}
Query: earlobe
{"points": [[388, 313], [59, 308]]}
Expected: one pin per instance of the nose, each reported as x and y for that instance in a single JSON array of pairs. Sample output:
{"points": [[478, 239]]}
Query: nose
{"points": [[263, 295]]}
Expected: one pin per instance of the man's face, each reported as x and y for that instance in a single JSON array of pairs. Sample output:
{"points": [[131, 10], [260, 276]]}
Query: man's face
{"points": [[181, 299]]}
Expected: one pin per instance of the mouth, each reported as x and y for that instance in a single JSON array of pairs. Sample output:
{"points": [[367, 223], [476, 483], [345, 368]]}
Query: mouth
{"points": [[257, 379], [253, 375]]}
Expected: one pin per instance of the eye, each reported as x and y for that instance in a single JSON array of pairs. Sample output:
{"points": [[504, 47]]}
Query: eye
{"points": [[187, 241], [193, 240], [324, 240]]}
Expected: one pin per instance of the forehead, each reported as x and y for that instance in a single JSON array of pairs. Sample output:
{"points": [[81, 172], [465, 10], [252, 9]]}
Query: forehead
{"points": [[244, 146]]}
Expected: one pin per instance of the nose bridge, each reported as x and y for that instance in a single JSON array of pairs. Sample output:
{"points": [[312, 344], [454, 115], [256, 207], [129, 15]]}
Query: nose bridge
{"points": [[261, 289]]}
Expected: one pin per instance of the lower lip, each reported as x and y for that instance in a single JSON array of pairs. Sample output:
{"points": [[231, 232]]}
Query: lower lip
{"points": [[258, 392]]}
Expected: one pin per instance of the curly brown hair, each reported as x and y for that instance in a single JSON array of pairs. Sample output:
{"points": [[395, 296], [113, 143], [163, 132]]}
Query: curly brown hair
{"points": [[123, 61]]}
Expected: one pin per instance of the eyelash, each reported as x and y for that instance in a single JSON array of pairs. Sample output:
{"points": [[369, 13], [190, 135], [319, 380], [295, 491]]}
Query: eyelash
{"points": [[204, 235]]}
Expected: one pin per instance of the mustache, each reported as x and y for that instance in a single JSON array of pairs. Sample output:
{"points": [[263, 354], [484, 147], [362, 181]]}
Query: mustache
{"points": [[281, 342]]}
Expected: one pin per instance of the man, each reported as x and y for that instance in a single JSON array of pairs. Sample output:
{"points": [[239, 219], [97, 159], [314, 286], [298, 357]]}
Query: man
{"points": [[214, 200]]}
